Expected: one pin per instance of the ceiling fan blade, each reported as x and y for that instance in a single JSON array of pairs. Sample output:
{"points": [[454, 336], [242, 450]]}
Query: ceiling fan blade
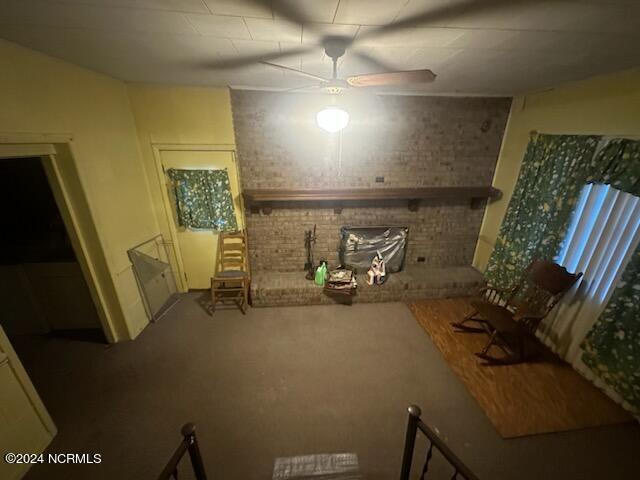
{"points": [[447, 11], [295, 70], [236, 62], [286, 9], [391, 78]]}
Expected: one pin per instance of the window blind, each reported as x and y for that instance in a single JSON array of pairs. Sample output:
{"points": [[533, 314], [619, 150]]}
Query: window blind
{"points": [[602, 236]]}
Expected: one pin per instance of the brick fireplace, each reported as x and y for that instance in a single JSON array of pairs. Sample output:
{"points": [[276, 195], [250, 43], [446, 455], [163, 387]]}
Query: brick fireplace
{"points": [[391, 142]]}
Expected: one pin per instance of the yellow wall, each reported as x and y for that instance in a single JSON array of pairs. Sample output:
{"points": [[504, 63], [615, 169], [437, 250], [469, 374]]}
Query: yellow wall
{"points": [[605, 105], [184, 117], [42, 95]]}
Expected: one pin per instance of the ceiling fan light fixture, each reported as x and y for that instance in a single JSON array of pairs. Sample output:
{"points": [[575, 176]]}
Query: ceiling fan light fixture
{"points": [[332, 119]]}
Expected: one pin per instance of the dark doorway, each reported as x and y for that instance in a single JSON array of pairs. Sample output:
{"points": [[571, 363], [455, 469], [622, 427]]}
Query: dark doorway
{"points": [[42, 288]]}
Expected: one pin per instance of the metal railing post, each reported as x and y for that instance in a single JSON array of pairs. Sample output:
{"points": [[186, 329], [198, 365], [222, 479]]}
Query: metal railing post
{"points": [[189, 433], [410, 441]]}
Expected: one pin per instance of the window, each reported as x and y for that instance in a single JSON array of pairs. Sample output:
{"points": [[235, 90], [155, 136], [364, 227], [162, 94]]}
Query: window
{"points": [[604, 232]]}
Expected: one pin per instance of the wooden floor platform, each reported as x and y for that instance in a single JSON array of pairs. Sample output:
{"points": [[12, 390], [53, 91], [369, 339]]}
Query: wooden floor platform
{"points": [[543, 396]]}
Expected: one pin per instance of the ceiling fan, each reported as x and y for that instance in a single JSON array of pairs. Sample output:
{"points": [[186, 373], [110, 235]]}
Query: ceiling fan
{"points": [[335, 47]]}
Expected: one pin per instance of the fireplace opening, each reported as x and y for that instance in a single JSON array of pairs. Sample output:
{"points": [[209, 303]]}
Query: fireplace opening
{"points": [[360, 244]]}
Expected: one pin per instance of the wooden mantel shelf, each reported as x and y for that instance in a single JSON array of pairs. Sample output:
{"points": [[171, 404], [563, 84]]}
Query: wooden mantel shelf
{"points": [[266, 200]]}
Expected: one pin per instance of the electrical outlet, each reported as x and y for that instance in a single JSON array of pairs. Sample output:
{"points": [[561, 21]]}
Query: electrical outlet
{"points": [[421, 259], [379, 179]]}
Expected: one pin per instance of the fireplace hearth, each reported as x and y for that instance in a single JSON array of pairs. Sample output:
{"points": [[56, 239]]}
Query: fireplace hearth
{"points": [[421, 163]]}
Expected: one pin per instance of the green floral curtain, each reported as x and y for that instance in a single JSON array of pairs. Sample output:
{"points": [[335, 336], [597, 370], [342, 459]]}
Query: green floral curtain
{"points": [[612, 347], [618, 164], [203, 199], [553, 172]]}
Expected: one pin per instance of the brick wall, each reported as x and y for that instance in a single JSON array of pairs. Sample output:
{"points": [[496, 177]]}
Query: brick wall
{"points": [[410, 141]]}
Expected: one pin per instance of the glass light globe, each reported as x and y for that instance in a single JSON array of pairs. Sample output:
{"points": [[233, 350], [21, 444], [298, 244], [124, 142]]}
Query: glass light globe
{"points": [[332, 119]]}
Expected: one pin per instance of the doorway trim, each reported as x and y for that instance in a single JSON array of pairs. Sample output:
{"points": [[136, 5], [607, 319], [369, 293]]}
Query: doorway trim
{"points": [[157, 149], [55, 150]]}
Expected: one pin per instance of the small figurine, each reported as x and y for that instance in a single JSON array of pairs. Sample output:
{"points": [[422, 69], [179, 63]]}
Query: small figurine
{"points": [[377, 272]]}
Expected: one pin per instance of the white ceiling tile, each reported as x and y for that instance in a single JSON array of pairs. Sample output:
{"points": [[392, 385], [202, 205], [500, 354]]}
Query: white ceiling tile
{"points": [[187, 49], [116, 55], [417, 8], [185, 6], [432, 58], [398, 56], [612, 19], [572, 15], [409, 37], [315, 32], [531, 40], [255, 47], [571, 43], [220, 26], [546, 15], [517, 47], [395, 58], [353, 66], [273, 78], [303, 61], [578, 17], [368, 12], [317, 59], [275, 30], [317, 66], [33, 12], [314, 10], [245, 75], [314, 53], [484, 70], [139, 20], [505, 15], [482, 38], [238, 7], [293, 61], [614, 2], [270, 74]]}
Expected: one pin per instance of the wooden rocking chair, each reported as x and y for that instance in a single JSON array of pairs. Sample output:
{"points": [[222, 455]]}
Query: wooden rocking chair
{"points": [[511, 317], [230, 282]]}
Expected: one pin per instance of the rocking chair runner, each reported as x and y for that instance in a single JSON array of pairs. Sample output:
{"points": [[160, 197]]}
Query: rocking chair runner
{"points": [[511, 317]]}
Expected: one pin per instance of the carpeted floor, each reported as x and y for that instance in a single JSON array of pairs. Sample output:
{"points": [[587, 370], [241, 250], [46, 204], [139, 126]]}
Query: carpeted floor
{"points": [[539, 396], [281, 382]]}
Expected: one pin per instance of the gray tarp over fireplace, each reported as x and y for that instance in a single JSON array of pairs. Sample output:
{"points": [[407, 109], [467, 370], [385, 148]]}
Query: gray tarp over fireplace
{"points": [[358, 246]]}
